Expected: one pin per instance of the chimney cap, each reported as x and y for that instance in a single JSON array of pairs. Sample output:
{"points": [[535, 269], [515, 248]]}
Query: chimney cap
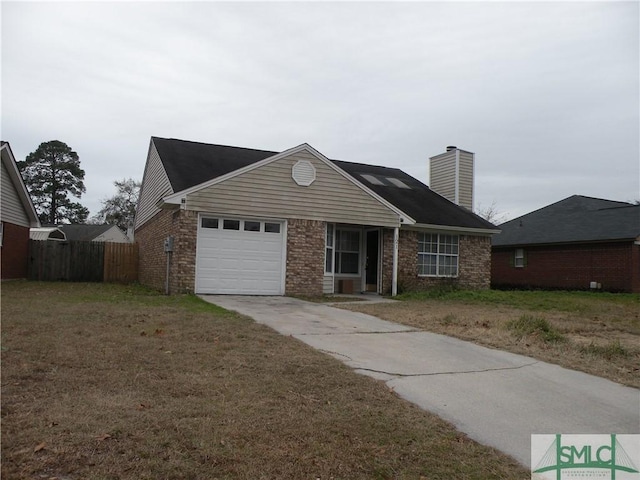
{"points": [[451, 147]]}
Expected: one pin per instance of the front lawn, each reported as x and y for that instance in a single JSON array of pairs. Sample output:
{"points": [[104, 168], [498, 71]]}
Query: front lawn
{"points": [[597, 333], [117, 382]]}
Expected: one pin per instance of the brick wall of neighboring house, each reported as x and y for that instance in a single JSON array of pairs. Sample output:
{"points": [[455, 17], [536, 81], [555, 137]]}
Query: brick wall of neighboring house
{"points": [[474, 263], [15, 251], [616, 266], [305, 257], [152, 271]]}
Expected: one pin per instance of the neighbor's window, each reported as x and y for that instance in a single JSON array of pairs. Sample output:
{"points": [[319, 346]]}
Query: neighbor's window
{"points": [[519, 258], [347, 252], [328, 252], [437, 255]]}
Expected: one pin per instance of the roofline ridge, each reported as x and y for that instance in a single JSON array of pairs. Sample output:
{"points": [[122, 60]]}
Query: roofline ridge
{"points": [[153, 137]]}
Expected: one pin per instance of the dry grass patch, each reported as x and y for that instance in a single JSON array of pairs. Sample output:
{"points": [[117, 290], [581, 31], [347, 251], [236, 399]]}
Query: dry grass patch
{"points": [[594, 333], [112, 382]]}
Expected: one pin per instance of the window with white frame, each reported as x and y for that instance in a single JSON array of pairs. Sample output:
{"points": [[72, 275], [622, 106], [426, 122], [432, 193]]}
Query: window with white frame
{"points": [[519, 258], [438, 255], [328, 252], [347, 252]]}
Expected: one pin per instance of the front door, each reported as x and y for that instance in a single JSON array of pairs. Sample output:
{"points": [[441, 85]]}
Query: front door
{"points": [[371, 265]]}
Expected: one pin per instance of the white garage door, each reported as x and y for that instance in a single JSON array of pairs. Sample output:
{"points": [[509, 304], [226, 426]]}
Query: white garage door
{"points": [[240, 256]]}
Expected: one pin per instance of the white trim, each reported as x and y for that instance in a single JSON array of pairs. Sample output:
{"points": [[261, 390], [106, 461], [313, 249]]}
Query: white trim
{"points": [[394, 277], [176, 197]]}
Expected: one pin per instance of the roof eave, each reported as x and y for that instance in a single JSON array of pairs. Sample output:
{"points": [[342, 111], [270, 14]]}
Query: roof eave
{"points": [[454, 228]]}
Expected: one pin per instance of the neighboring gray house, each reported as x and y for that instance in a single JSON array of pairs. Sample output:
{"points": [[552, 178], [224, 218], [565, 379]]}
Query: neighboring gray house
{"points": [[94, 233], [17, 216], [229, 220]]}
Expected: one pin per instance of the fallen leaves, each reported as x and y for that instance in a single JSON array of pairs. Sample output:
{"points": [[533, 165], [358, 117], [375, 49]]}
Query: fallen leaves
{"points": [[39, 447]]}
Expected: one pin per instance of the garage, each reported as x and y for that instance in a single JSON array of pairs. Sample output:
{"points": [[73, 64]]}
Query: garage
{"points": [[240, 256]]}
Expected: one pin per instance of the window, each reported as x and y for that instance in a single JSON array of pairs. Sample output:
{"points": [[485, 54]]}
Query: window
{"points": [[519, 258], [209, 223], [328, 252], [272, 227], [231, 224], [251, 226], [347, 252], [437, 255]]}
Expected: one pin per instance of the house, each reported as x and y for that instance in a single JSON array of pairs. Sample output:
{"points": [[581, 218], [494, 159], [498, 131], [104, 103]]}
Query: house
{"points": [[47, 233], [94, 233], [17, 216], [227, 220], [577, 243]]}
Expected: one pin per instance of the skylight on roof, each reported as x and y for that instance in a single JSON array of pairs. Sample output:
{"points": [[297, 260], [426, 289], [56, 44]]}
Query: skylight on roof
{"points": [[398, 183], [373, 180]]}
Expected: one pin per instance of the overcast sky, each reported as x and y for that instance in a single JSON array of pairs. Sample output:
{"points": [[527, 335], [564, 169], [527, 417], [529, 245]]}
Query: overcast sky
{"points": [[545, 94]]}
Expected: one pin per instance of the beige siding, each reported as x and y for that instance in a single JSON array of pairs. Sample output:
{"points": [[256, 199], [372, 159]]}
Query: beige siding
{"points": [[442, 177], [155, 186], [465, 193], [12, 208], [270, 191]]}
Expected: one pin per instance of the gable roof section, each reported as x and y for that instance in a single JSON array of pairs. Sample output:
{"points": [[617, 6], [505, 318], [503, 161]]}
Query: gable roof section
{"points": [[9, 163], [192, 165], [84, 233], [188, 164], [574, 219]]}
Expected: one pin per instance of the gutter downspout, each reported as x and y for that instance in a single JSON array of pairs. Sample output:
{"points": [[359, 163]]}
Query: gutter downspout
{"points": [[394, 278]]}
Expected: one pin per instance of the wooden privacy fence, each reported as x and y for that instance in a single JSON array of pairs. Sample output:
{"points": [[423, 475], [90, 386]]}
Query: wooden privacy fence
{"points": [[77, 261]]}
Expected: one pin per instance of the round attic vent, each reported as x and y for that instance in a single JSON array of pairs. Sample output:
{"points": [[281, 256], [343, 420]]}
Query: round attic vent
{"points": [[303, 173]]}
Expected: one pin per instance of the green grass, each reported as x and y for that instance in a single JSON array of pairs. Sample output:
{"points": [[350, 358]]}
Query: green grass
{"points": [[608, 352], [530, 325], [566, 301]]}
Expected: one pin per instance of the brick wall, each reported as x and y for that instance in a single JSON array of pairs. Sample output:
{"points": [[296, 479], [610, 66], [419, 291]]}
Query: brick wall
{"points": [[614, 265], [182, 225], [15, 251], [474, 263], [305, 257]]}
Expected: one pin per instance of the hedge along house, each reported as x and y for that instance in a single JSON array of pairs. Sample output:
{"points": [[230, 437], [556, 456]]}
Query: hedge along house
{"points": [[216, 219]]}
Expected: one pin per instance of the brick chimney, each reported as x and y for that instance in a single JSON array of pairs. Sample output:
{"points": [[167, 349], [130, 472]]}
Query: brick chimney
{"points": [[451, 175]]}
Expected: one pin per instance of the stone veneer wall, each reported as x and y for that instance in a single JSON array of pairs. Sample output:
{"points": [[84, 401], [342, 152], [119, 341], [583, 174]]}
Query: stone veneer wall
{"points": [[152, 270], [305, 257], [474, 263]]}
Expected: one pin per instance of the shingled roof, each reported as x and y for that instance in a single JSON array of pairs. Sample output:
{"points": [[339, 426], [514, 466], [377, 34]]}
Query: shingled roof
{"points": [[574, 219], [188, 164]]}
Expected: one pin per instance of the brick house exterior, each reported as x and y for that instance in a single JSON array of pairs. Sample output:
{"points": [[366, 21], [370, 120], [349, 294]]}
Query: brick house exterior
{"points": [[254, 221], [578, 243]]}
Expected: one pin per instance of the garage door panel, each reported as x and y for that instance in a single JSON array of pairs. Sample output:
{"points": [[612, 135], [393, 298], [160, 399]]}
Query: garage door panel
{"points": [[239, 262]]}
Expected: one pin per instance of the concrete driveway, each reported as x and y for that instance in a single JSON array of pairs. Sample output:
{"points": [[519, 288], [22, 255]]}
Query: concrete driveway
{"points": [[497, 398]]}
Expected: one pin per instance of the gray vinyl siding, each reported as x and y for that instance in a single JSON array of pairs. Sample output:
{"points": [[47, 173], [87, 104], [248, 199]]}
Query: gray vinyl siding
{"points": [[12, 207], [155, 186], [442, 177], [270, 191], [465, 192]]}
